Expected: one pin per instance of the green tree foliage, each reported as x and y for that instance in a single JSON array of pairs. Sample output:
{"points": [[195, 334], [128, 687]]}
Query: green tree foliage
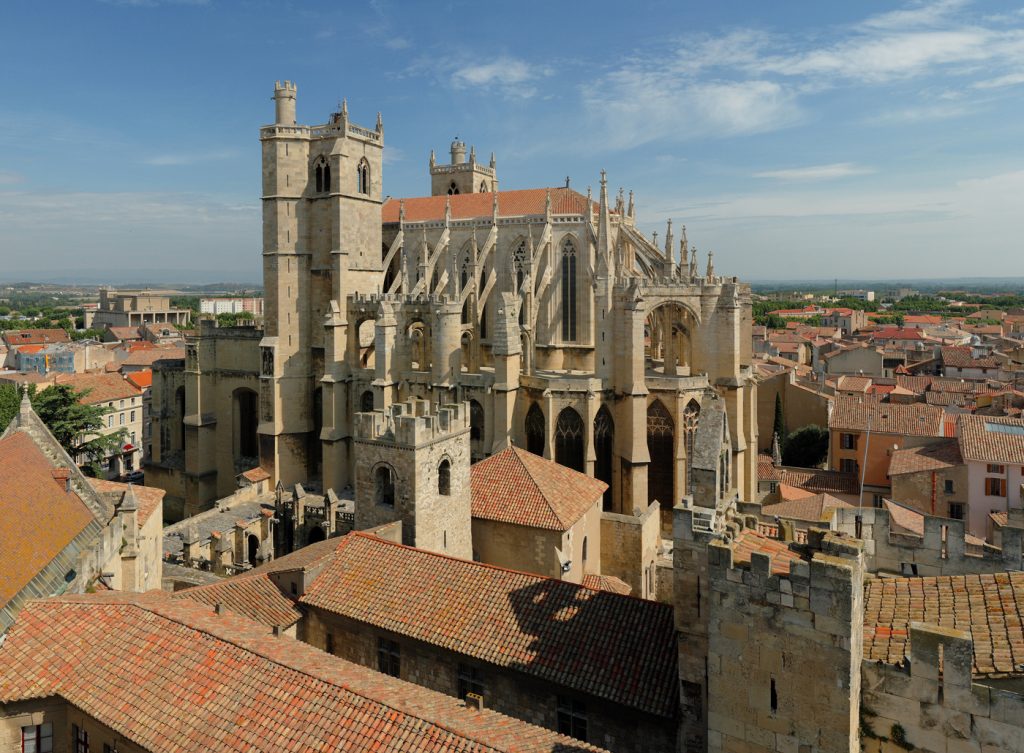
{"points": [[779, 426], [807, 447], [72, 423]]}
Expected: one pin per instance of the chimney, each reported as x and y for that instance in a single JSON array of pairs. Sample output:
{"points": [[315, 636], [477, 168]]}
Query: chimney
{"points": [[218, 608], [474, 701], [277, 631]]}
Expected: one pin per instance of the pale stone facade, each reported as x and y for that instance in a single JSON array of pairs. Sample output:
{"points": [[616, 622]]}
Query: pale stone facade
{"points": [[568, 331]]}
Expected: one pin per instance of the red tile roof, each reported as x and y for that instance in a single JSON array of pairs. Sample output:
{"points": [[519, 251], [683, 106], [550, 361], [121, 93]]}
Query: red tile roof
{"points": [[992, 439], [35, 336], [750, 541], [171, 675], [470, 205], [607, 583], [142, 379], [934, 457], [148, 498], [101, 388], [817, 481], [255, 596], [898, 333], [623, 648], [814, 509], [960, 357], [516, 486], [987, 606], [39, 517], [914, 419]]}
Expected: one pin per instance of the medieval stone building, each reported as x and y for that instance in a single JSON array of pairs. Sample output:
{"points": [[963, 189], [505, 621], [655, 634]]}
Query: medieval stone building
{"points": [[566, 330]]}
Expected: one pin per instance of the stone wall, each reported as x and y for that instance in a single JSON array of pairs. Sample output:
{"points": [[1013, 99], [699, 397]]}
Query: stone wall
{"points": [[784, 651], [942, 550], [629, 548], [934, 705], [506, 690]]}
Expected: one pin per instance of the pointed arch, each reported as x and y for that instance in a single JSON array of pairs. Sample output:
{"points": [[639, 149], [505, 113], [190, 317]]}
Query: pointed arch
{"points": [[569, 284], [476, 422], [569, 438], [366, 401], [691, 417], [660, 446], [363, 177], [604, 442], [444, 478], [535, 430]]}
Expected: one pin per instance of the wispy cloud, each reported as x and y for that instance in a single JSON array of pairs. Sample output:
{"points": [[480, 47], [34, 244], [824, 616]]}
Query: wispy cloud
{"points": [[8, 178], [188, 158], [919, 114], [507, 74], [1010, 79], [817, 172]]}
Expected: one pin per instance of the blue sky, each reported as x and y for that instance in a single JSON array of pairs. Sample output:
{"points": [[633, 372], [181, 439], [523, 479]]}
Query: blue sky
{"points": [[796, 140]]}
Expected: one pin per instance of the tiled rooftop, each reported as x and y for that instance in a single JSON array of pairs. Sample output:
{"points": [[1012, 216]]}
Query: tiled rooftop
{"points": [[987, 606], [853, 414], [39, 517], [516, 486], [933, 457], [992, 439], [815, 508], [623, 648], [171, 675], [959, 356], [750, 541], [470, 205], [147, 497], [252, 595], [607, 583]]}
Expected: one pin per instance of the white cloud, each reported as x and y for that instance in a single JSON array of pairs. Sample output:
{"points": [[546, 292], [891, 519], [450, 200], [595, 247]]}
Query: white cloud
{"points": [[817, 172], [920, 114], [8, 178], [511, 75], [1010, 79], [188, 158]]}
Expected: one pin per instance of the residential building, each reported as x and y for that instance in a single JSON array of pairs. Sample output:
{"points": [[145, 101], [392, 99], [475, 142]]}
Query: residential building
{"points": [[993, 449], [133, 308], [252, 306], [122, 403]]}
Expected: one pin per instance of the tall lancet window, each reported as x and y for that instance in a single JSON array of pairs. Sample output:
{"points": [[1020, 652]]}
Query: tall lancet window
{"points": [[569, 290], [519, 261]]}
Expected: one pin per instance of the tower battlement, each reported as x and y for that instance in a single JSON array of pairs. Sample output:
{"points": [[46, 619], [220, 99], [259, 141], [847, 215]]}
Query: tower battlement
{"points": [[412, 423], [287, 86]]}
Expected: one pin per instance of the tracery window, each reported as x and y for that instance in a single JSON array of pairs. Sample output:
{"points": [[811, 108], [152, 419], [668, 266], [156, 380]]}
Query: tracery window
{"points": [[453, 189], [520, 260], [569, 440], [691, 416], [535, 430], [363, 177], [569, 307]]}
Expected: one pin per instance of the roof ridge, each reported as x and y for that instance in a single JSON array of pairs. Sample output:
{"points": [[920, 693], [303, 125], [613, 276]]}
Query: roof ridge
{"points": [[519, 453]]}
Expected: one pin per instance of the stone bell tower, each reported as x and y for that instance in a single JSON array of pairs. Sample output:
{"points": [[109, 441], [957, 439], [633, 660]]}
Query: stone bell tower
{"points": [[321, 242], [412, 464], [462, 176]]}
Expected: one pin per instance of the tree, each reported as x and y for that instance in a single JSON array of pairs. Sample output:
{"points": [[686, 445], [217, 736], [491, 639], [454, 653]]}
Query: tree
{"points": [[77, 426], [10, 399], [779, 426], [807, 447]]}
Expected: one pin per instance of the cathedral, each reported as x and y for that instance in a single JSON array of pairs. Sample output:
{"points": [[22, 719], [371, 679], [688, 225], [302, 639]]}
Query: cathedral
{"points": [[564, 329]]}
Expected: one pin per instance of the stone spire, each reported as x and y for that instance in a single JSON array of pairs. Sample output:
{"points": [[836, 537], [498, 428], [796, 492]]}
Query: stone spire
{"points": [[380, 122], [711, 264], [472, 154], [620, 202], [693, 263], [605, 263], [494, 209], [129, 503], [401, 212], [448, 210], [433, 159], [25, 408], [776, 451], [631, 211], [494, 162], [654, 239], [669, 241]]}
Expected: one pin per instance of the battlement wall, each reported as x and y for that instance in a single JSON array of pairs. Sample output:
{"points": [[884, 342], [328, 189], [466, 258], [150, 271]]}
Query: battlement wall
{"points": [[412, 423]]}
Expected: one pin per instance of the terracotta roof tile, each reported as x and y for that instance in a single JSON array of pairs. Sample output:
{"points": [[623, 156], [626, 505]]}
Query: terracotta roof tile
{"points": [[39, 517], [816, 481], [516, 486], [255, 596], [35, 336], [255, 475], [815, 508], [933, 457], [607, 583], [469, 205], [992, 439], [959, 356], [751, 541], [886, 418], [149, 498], [987, 606], [143, 378], [623, 647], [171, 675], [102, 388]]}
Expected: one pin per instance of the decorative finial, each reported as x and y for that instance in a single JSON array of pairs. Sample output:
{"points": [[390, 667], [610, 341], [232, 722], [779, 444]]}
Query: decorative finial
{"points": [[494, 162], [344, 107], [380, 122], [604, 177], [711, 264], [433, 159], [26, 403], [566, 181]]}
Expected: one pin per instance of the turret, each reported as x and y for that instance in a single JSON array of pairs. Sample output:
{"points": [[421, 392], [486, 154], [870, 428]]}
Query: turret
{"points": [[458, 152], [284, 103]]}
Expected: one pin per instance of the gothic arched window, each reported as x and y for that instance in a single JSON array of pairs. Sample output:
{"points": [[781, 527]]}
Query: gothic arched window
{"points": [[520, 261], [569, 440], [363, 177], [453, 189], [366, 401], [568, 290], [327, 178], [444, 478], [604, 441], [661, 447], [691, 416], [476, 421], [319, 173], [535, 430]]}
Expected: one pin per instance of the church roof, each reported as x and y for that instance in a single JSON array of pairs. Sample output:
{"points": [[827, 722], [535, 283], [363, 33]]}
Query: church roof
{"points": [[40, 518], [618, 648], [466, 206], [516, 486], [171, 674]]}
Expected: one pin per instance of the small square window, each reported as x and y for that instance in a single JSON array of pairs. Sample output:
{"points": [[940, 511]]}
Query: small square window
{"points": [[957, 510], [470, 680], [572, 717], [948, 486], [389, 657]]}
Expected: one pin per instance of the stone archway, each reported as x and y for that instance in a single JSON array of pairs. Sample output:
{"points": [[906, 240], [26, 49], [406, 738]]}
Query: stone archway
{"points": [[668, 339]]}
